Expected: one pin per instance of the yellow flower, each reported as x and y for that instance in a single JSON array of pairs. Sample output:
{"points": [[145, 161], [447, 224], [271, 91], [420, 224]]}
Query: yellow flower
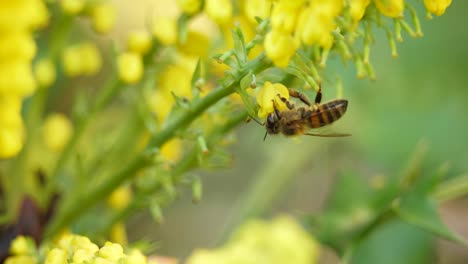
{"points": [[135, 257], [130, 67], [118, 234], [72, 7], [258, 242], [219, 10], [358, 8], [316, 23], [269, 93], [196, 45], [120, 197], [44, 70], [17, 78], [11, 125], [172, 150], [390, 8], [22, 245], [17, 45], [82, 256], [81, 59], [57, 130], [257, 8], [21, 260], [111, 251], [22, 15], [284, 15], [189, 6], [56, 256], [279, 47], [437, 7], [165, 30], [139, 42], [102, 17]]}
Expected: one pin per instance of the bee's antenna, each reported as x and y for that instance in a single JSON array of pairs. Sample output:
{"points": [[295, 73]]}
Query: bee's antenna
{"points": [[254, 119], [266, 133]]}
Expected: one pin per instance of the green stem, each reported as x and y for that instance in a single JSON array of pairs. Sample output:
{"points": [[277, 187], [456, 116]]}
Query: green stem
{"points": [[78, 206], [452, 189]]}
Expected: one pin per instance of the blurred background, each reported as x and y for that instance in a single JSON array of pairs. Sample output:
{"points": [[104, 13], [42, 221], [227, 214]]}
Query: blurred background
{"points": [[421, 95]]}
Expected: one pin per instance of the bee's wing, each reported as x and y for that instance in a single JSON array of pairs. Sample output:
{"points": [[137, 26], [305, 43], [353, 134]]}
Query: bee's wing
{"points": [[328, 135]]}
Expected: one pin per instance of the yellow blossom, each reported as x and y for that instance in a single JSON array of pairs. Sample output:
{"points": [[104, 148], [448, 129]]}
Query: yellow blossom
{"points": [[102, 17], [284, 15], [139, 42], [172, 150], [22, 245], [17, 45], [21, 260], [11, 141], [391, 8], [135, 257], [189, 6], [358, 8], [219, 10], [100, 260], [130, 67], [44, 70], [118, 233], [437, 7], [258, 242], [165, 30], [56, 256], [82, 256], [279, 47], [111, 251], [22, 15], [197, 44], [120, 197], [81, 59], [17, 78], [11, 125], [72, 7], [257, 8], [269, 93], [57, 130]]}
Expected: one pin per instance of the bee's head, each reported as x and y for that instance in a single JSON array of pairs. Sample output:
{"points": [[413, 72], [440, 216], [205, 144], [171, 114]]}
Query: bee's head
{"points": [[272, 124]]}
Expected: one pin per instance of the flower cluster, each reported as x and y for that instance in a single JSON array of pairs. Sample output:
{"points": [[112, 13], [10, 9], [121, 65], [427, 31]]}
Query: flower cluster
{"points": [[18, 20], [282, 240], [71, 248]]}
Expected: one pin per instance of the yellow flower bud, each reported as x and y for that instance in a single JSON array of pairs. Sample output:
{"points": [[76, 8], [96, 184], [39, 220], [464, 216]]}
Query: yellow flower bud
{"points": [[391, 8], [82, 256], [103, 17], [120, 197], [100, 260], [91, 60], [118, 233], [219, 10], [269, 93], [284, 15], [172, 150], [44, 70], [17, 45], [257, 8], [22, 245], [71, 60], [139, 42], [17, 78], [165, 30], [358, 8], [279, 47], [135, 257], [56, 256], [189, 6], [196, 45], [10, 116], [21, 260], [57, 130], [82, 242], [437, 7], [130, 67], [11, 141], [111, 251], [72, 7]]}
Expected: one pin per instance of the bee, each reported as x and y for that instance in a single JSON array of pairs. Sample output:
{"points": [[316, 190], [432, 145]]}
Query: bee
{"points": [[299, 120]]}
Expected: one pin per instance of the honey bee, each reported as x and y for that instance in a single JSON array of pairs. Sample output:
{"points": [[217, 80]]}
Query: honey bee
{"points": [[298, 121]]}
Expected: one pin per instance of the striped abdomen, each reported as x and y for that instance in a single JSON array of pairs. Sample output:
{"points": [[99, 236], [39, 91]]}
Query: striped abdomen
{"points": [[327, 113]]}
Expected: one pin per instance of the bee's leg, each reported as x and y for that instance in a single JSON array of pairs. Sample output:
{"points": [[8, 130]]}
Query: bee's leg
{"points": [[318, 97], [307, 113], [277, 111], [288, 104], [300, 96]]}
